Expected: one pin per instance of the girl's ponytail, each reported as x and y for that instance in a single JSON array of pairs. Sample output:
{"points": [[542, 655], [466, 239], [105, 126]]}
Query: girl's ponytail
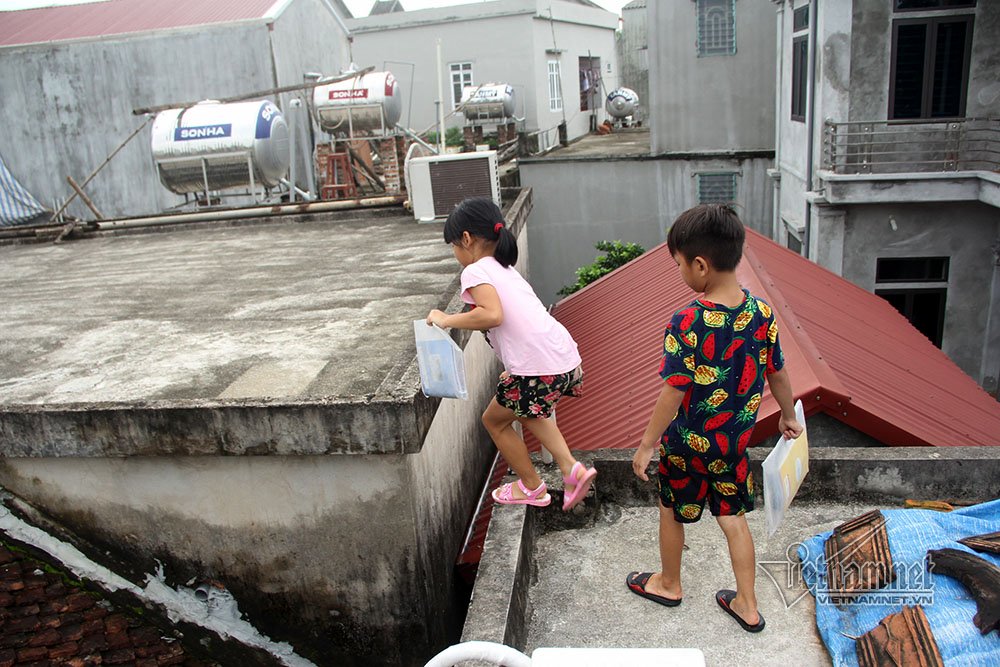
{"points": [[505, 251], [481, 217]]}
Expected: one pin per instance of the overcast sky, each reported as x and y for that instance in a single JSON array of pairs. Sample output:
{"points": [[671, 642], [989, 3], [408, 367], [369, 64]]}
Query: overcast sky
{"points": [[357, 7]]}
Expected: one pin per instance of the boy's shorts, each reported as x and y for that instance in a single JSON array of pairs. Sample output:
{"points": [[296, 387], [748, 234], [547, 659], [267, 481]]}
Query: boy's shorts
{"points": [[687, 481], [537, 395]]}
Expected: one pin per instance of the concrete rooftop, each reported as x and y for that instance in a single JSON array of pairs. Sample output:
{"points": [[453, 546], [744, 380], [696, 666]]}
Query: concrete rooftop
{"points": [[305, 311], [549, 579], [628, 142]]}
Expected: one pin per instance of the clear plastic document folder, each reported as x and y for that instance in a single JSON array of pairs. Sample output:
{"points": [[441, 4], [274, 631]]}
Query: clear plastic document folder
{"points": [[442, 366], [784, 469]]}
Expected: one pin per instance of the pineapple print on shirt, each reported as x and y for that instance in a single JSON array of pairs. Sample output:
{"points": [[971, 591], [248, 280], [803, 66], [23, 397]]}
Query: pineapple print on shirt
{"points": [[720, 357]]}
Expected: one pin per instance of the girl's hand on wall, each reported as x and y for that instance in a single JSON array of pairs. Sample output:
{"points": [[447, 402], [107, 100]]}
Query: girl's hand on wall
{"points": [[437, 317]]}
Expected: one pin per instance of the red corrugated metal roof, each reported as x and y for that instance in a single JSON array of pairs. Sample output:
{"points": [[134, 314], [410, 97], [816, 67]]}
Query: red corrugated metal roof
{"points": [[849, 353], [117, 17]]}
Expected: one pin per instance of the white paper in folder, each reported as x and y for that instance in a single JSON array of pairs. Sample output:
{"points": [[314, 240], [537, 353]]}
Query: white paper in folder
{"points": [[784, 469], [441, 363]]}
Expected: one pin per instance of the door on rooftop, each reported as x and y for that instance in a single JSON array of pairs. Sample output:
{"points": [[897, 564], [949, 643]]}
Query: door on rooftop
{"points": [[590, 83]]}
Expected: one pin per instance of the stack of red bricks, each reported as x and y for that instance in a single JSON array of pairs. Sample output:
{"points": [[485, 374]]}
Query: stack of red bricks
{"points": [[392, 151], [48, 618]]}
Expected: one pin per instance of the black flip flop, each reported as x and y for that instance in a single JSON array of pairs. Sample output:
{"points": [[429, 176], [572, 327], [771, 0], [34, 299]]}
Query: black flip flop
{"points": [[636, 582], [725, 598]]}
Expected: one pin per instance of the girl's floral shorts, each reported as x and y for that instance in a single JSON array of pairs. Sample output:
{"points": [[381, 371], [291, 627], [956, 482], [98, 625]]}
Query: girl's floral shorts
{"points": [[537, 395]]}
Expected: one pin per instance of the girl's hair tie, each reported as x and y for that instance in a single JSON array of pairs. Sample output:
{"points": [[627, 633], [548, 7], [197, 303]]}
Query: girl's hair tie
{"points": [[497, 227]]}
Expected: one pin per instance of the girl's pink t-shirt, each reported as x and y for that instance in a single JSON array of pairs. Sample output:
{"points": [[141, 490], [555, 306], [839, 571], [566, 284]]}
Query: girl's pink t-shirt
{"points": [[529, 341]]}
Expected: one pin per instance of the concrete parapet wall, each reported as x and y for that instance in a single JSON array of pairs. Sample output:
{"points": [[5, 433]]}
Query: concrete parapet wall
{"points": [[349, 558], [337, 530], [874, 474]]}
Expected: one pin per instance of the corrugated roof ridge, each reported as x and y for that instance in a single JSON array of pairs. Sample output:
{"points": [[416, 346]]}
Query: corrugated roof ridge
{"points": [[923, 349], [829, 379], [919, 353]]}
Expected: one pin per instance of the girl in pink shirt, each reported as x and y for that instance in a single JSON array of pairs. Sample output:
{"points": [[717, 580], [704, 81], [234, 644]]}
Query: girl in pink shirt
{"points": [[540, 359]]}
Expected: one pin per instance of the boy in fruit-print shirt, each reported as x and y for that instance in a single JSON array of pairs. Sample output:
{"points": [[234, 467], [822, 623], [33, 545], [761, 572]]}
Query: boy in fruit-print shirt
{"points": [[717, 353]]}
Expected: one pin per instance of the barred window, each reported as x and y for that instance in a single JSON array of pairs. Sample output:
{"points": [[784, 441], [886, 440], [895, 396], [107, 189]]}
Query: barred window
{"points": [[716, 27], [716, 188]]}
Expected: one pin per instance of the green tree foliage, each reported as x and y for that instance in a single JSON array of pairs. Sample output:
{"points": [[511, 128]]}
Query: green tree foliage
{"points": [[616, 254], [452, 137]]}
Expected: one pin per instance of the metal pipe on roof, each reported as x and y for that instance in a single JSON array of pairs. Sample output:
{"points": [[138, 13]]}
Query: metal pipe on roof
{"points": [[776, 179], [294, 190], [249, 212], [416, 138], [258, 93], [810, 124], [440, 108], [293, 112]]}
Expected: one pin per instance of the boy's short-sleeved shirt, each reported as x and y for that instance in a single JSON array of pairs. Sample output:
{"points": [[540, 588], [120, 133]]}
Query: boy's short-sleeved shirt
{"points": [[720, 356]]}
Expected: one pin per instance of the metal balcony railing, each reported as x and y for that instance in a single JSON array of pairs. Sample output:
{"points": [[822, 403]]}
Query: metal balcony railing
{"points": [[880, 147]]}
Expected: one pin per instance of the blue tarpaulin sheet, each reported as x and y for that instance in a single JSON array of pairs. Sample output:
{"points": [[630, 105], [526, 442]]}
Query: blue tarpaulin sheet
{"points": [[946, 602], [17, 206]]}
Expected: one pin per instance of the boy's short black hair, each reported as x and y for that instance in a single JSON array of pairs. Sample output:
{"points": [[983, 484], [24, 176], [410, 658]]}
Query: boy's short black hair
{"points": [[711, 231]]}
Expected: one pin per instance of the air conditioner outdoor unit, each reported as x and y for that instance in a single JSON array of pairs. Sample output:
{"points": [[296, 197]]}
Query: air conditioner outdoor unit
{"points": [[438, 183]]}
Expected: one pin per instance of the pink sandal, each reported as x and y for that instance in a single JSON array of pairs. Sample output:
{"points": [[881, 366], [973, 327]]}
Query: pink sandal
{"points": [[573, 498], [538, 498]]}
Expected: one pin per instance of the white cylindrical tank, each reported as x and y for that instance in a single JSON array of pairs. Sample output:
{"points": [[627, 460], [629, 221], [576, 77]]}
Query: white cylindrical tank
{"points": [[366, 104], [224, 142], [621, 102], [488, 101]]}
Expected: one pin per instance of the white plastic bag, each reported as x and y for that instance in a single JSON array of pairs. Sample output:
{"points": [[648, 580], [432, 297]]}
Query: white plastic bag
{"points": [[442, 366], [784, 469]]}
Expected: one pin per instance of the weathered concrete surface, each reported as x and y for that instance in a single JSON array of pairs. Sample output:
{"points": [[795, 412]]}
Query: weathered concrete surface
{"points": [[632, 142], [253, 338], [549, 579], [350, 558], [580, 598]]}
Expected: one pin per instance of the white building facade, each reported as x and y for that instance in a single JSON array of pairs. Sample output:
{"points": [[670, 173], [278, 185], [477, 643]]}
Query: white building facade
{"points": [[558, 56]]}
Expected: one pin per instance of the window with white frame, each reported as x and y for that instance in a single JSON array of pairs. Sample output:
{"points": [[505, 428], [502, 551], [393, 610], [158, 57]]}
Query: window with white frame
{"points": [[717, 188], [461, 77], [555, 86], [716, 27]]}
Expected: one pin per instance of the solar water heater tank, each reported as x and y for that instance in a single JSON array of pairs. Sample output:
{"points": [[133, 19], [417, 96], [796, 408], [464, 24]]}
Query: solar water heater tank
{"points": [[228, 145], [621, 102], [488, 101], [366, 104]]}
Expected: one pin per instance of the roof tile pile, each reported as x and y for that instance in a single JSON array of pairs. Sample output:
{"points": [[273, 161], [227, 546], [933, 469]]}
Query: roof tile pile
{"points": [[46, 617]]}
